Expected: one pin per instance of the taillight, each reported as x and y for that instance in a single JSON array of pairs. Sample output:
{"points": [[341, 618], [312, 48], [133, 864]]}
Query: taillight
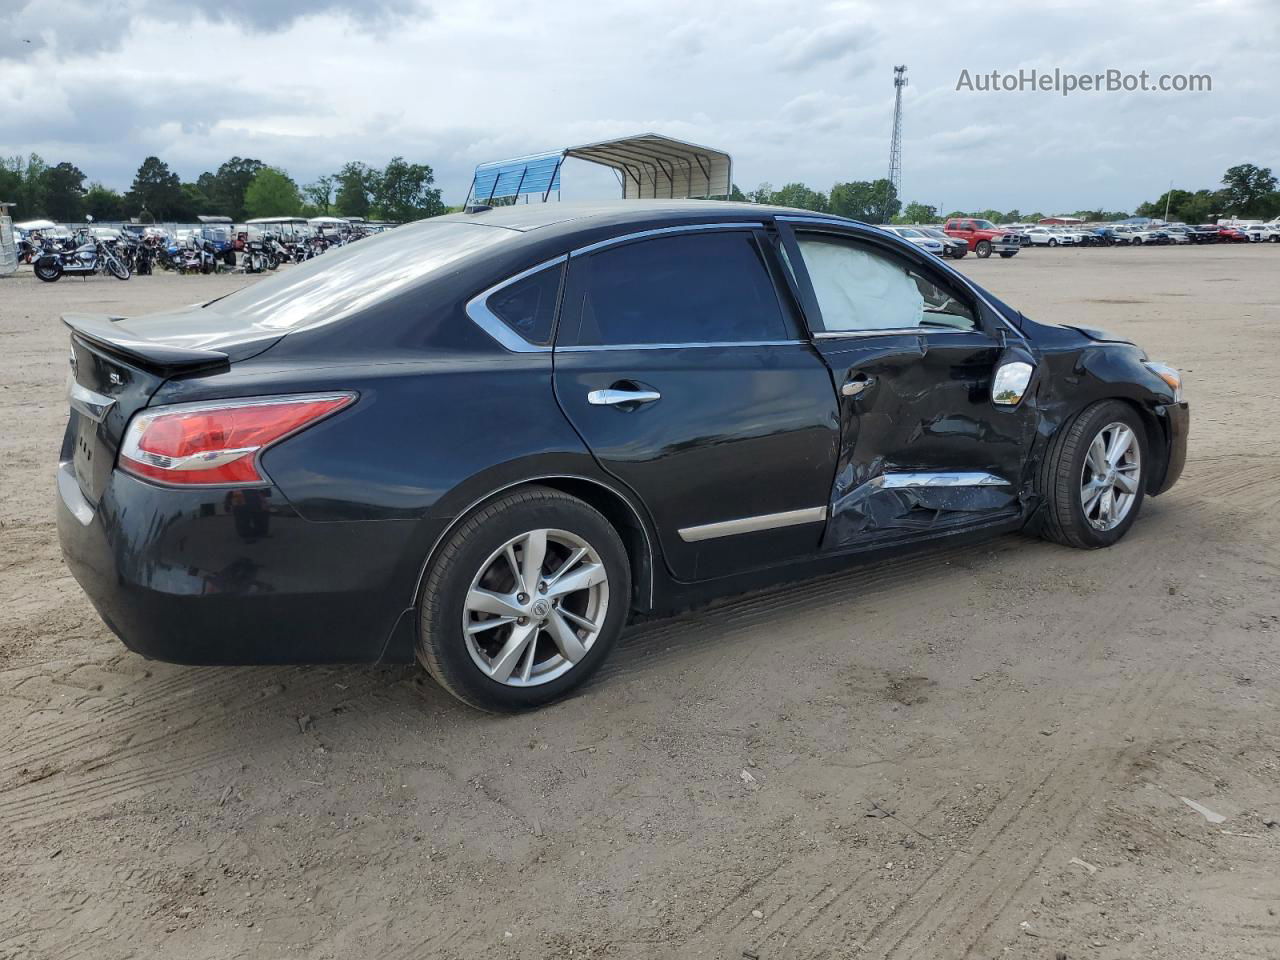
{"points": [[219, 442]]}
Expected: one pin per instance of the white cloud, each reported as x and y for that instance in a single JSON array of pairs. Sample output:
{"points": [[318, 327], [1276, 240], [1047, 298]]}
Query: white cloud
{"points": [[795, 92]]}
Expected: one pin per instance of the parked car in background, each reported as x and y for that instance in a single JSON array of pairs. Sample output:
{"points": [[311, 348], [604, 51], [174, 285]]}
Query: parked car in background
{"points": [[953, 248], [1110, 237], [1258, 232], [1232, 235], [1137, 235], [1176, 234], [1204, 233], [1045, 237], [1083, 237], [924, 242], [983, 237], [253, 480]]}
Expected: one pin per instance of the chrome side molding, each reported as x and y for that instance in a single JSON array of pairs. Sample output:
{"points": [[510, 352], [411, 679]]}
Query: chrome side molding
{"points": [[766, 521], [960, 478]]}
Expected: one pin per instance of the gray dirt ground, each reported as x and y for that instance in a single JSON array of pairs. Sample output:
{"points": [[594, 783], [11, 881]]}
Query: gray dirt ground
{"points": [[1016, 705]]}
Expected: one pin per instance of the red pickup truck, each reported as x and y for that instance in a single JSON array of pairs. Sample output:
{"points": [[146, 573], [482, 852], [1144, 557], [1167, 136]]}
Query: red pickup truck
{"points": [[983, 237]]}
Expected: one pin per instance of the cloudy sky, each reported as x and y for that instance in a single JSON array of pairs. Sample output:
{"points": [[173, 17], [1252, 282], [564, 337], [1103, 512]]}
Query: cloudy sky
{"points": [[793, 90]]}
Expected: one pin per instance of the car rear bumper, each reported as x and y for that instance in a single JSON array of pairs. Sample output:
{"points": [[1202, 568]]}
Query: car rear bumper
{"points": [[236, 576], [1177, 423]]}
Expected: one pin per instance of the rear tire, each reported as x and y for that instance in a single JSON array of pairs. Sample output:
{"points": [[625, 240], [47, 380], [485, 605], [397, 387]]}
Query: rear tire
{"points": [[49, 273], [1074, 468], [496, 668]]}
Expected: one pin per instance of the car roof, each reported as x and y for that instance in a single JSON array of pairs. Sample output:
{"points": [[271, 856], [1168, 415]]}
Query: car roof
{"points": [[526, 217]]}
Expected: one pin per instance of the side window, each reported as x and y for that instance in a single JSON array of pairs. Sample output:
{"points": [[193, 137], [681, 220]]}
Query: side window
{"points": [[528, 306], [703, 287], [859, 288]]}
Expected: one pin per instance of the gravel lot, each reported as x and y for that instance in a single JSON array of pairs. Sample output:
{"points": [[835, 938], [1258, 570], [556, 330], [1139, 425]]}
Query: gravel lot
{"points": [[1030, 715]]}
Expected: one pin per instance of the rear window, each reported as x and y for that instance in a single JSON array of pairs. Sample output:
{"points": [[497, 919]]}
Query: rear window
{"points": [[698, 287], [340, 282]]}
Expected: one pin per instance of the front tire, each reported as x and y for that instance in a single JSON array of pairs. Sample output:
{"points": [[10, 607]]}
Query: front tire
{"points": [[1094, 477], [524, 602], [117, 269], [983, 249]]}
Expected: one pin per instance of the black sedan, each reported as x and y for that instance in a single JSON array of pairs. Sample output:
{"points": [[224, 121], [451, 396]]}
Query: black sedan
{"points": [[488, 439]]}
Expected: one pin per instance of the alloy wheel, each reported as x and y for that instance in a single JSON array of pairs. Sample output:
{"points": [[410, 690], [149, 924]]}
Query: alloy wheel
{"points": [[1110, 476], [535, 607]]}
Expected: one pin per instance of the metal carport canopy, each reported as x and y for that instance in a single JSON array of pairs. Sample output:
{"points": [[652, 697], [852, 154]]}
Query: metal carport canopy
{"points": [[654, 166]]}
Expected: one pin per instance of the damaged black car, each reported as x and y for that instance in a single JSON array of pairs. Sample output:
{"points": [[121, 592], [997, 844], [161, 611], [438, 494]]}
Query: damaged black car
{"points": [[487, 440]]}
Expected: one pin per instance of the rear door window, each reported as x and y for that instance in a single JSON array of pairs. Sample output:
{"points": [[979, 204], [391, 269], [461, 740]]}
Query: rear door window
{"points": [[701, 287]]}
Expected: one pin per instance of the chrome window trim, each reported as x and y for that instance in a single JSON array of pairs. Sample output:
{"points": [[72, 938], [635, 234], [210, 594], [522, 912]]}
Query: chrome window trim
{"points": [[896, 331], [701, 345], [766, 521], [665, 231], [488, 321], [858, 226]]}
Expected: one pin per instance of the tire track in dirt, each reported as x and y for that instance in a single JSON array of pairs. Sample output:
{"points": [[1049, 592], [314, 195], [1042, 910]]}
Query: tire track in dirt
{"points": [[787, 902], [955, 901], [154, 753], [201, 695]]}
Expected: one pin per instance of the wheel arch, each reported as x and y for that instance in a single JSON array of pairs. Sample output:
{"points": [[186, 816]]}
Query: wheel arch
{"points": [[1156, 430], [623, 515]]}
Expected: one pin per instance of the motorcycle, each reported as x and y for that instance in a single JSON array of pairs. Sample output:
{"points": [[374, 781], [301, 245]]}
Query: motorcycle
{"points": [[89, 257], [256, 257], [143, 254]]}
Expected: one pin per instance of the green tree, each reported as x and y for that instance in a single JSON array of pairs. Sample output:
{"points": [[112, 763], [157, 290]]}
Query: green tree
{"points": [[103, 203], [357, 183], [64, 193], [1246, 188], [11, 169], [31, 198], [762, 193], [736, 194], [226, 189], [917, 213], [404, 192], [866, 200], [1013, 216], [271, 193], [320, 194], [800, 196], [157, 189]]}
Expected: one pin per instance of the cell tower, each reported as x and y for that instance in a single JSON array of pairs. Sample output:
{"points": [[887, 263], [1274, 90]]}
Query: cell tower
{"points": [[895, 143]]}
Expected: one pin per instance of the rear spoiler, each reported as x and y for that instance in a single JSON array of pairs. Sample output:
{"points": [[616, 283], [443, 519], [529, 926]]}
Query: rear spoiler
{"points": [[103, 332]]}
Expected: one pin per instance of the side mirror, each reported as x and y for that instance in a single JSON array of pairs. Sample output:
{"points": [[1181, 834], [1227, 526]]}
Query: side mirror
{"points": [[1014, 374]]}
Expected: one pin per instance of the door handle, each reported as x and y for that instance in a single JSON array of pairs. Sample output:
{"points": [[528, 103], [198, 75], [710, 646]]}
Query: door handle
{"points": [[614, 398], [853, 388]]}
